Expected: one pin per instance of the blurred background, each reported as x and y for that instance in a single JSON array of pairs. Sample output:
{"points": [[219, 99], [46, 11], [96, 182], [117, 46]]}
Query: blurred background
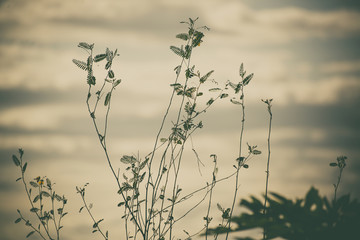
{"points": [[304, 54]]}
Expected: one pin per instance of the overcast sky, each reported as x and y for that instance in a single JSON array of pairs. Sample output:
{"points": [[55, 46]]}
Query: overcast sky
{"points": [[304, 54]]}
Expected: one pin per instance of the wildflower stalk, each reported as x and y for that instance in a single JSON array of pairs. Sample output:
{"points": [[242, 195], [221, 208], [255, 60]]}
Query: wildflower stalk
{"points": [[239, 162], [268, 102], [239, 88], [341, 165]]}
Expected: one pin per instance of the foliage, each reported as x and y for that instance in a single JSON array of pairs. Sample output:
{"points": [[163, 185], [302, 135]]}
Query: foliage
{"points": [[313, 217]]}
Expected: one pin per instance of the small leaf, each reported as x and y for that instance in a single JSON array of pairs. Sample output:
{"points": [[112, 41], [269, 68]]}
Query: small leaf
{"points": [[45, 194], [99, 57], [206, 76], [16, 160], [18, 220], [163, 139], [48, 182], [128, 159], [18, 179], [107, 98], [247, 79], [210, 102], [24, 167], [256, 152], [120, 204], [183, 36], [36, 198], [333, 164], [246, 166], [241, 71], [29, 234], [34, 209], [34, 184], [214, 89], [81, 209], [177, 51], [235, 102], [86, 45], [224, 95], [117, 82], [108, 65], [111, 74], [82, 65]]}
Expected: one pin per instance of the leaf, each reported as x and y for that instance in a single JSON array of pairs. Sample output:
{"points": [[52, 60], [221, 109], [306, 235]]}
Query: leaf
{"points": [[206, 76], [24, 167], [120, 204], [247, 79], [82, 65], [34, 209], [224, 95], [108, 65], [18, 179], [246, 166], [210, 102], [91, 80], [18, 220], [183, 36], [48, 182], [333, 164], [45, 194], [107, 98], [177, 51], [57, 197], [214, 89], [117, 82], [235, 102], [219, 207], [111, 74], [36, 198], [29, 234], [128, 159], [163, 139], [99, 57], [16, 160], [256, 152], [34, 184], [86, 45], [241, 71]]}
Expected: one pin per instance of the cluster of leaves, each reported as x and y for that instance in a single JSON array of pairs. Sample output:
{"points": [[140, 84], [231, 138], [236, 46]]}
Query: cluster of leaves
{"points": [[313, 217], [46, 212]]}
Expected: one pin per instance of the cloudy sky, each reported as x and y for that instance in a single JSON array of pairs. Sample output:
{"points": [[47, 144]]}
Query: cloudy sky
{"points": [[304, 54]]}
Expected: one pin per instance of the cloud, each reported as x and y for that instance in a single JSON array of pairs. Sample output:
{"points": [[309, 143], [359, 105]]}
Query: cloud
{"points": [[340, 67]]}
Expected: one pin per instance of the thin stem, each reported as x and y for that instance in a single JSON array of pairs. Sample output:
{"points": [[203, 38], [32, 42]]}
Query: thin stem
{"points": [[268, 102], [30, 225], [239, 162], [338, 182], [210, 197], [92, 217]]}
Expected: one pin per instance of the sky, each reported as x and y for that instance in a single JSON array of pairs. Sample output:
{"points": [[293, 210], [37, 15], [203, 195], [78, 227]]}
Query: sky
{"points": [[304, 54]]}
